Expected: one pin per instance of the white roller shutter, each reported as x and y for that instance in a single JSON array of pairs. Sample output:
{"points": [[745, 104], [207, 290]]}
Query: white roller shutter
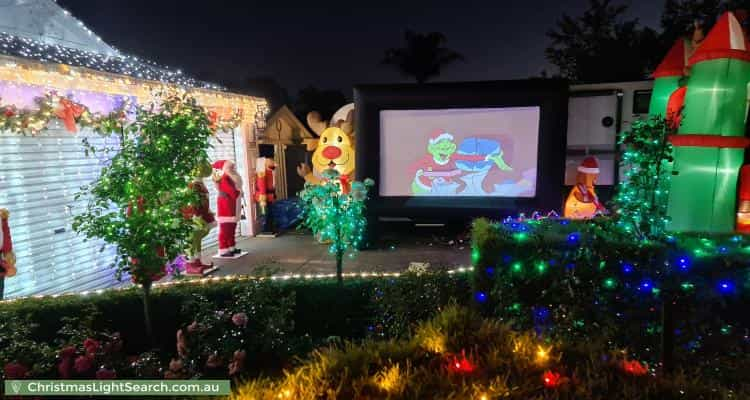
{"points": [[38, 181]]}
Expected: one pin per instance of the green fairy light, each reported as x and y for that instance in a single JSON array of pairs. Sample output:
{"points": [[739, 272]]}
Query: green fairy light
{"points": [[516, 266], [610, 283]]}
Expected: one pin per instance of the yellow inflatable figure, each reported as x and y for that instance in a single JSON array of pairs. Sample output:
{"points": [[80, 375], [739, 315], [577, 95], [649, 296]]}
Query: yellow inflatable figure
{"points": [[582, 202], [334, 149]]}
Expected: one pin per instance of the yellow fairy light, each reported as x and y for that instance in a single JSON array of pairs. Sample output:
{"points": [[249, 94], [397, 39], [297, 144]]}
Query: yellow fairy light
{"points": [[389, 379], [542, 354]]}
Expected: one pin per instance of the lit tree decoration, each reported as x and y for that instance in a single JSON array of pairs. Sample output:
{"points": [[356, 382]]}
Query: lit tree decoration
{"points": [[641, 200], [137, 200], [335, 216]]}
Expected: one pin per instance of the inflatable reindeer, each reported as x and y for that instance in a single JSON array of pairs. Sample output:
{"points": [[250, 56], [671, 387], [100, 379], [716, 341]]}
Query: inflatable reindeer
{"points": [[333, 150]]}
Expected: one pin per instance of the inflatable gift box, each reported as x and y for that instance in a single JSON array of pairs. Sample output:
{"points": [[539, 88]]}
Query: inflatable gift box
{"points": [[477, 147]]}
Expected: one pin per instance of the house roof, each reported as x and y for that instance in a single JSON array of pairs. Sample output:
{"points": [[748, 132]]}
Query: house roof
{"points": [[285, 114], [43, 31]]}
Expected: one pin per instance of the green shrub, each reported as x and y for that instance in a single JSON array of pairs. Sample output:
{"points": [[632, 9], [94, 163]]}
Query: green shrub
{"points": [[585, 280]]}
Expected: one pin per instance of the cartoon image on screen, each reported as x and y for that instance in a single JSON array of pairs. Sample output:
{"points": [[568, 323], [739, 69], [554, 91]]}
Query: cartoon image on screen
{"points": [[485, 152]]}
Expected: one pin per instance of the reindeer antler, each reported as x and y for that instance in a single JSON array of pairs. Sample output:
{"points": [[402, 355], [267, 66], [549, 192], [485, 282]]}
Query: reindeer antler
{"points": [[347, 125], [316, 122]]}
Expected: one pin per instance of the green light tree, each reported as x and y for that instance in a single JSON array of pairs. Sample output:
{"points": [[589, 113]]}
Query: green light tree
{"points": [[335, 216], [136, 202], [641, 199]]}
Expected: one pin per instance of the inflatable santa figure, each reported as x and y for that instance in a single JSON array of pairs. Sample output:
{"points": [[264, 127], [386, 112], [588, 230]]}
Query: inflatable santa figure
{"points": [[582, 202], [203, 220], [229, 186], [7, 258], [265, 190]]}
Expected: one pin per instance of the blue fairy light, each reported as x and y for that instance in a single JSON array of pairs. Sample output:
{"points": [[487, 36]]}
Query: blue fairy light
{"points": [[726, 286], [573, 238], [627, 268], [480, 297]]}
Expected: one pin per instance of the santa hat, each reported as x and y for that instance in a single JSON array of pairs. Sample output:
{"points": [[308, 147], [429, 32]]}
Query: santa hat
{"points": [[439, 135], [218, 164], [589, 165]]}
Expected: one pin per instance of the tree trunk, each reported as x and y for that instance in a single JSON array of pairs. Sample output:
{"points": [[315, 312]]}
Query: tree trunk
{"points": [[339, 267], [147, 312]]}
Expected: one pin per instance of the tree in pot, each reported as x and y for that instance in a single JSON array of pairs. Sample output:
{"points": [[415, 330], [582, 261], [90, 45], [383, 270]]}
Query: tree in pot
{"points": [[136, 203]]}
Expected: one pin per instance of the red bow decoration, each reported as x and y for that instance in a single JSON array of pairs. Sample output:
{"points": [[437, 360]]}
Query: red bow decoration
{"points": [[345, 184], [68, 112], [213, 118]]}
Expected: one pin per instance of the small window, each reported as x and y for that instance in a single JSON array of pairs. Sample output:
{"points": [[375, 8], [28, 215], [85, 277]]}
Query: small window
{"points": [[641, 100]]}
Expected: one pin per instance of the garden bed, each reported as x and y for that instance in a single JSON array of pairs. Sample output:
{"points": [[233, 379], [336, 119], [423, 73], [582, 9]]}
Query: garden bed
{"points": [[279, 319]]}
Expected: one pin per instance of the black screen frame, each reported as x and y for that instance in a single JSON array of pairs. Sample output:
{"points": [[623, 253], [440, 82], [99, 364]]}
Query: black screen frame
{"points": [[550, 95]]}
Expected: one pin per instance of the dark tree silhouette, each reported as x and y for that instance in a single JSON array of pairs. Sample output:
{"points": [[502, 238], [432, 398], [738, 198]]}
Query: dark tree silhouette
{"points": [[600, 46], [326, 102], [679, 17], [268, 88], [423, 57]]}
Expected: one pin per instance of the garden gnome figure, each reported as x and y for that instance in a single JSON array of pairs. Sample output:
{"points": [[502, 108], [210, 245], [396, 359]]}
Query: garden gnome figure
{"points": [[203, 221], [229, 186], [582, 202], [265, 192]]}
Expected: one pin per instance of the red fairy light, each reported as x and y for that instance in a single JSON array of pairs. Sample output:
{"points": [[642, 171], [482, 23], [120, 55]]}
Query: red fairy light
{"points": [[552, 379], [634, 367], [461, 365]]}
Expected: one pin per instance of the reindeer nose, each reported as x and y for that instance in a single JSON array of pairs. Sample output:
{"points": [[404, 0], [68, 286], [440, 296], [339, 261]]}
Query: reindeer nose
{"points": [[331, 152]]}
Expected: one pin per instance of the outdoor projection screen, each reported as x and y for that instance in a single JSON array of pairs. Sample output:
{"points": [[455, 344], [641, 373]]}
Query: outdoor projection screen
{"points": [[478, 152]]}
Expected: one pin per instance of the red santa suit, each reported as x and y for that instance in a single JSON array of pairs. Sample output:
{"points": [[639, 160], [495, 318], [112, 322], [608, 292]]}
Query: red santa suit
{"points": [[7, 258], [228, 205], [265, 189]]}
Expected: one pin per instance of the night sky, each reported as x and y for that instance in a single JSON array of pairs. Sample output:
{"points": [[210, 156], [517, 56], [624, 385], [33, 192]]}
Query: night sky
{"points": [[331, 44]]}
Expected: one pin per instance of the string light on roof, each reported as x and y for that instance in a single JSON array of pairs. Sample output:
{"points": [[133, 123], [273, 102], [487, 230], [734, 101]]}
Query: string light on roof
{"points": [[17, 46]]}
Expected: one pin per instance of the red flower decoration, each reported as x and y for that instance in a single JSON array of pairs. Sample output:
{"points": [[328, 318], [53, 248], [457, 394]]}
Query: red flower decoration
{"points": [[83, 364], [552, 379], [104, 373], [68, 351], [91, 346], [634, 367], [9, 112], [15, 370], [461, 365], [65, 368]]}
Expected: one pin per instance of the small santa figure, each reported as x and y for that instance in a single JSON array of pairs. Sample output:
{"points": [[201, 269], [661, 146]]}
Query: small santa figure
{"points": [[7, 258], [265, 190], [203, 220], [582, 202], [743, 209], [228, 204]]}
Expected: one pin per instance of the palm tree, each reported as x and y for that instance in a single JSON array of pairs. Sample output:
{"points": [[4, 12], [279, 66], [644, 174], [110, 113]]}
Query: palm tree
{"points": [[423, 57]]}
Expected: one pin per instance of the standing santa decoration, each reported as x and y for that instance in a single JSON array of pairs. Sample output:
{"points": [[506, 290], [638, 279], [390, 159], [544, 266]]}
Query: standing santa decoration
{"points": [[265, 192], [7, 258], [229, 186], [582, 202]]}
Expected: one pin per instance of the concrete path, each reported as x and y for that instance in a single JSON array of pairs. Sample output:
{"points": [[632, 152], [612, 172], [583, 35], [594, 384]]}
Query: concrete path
{"points": [[298, 253]]}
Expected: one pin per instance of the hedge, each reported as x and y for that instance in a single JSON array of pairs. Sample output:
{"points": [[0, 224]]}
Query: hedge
{"points": [[303, 313], [681, 302]]}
